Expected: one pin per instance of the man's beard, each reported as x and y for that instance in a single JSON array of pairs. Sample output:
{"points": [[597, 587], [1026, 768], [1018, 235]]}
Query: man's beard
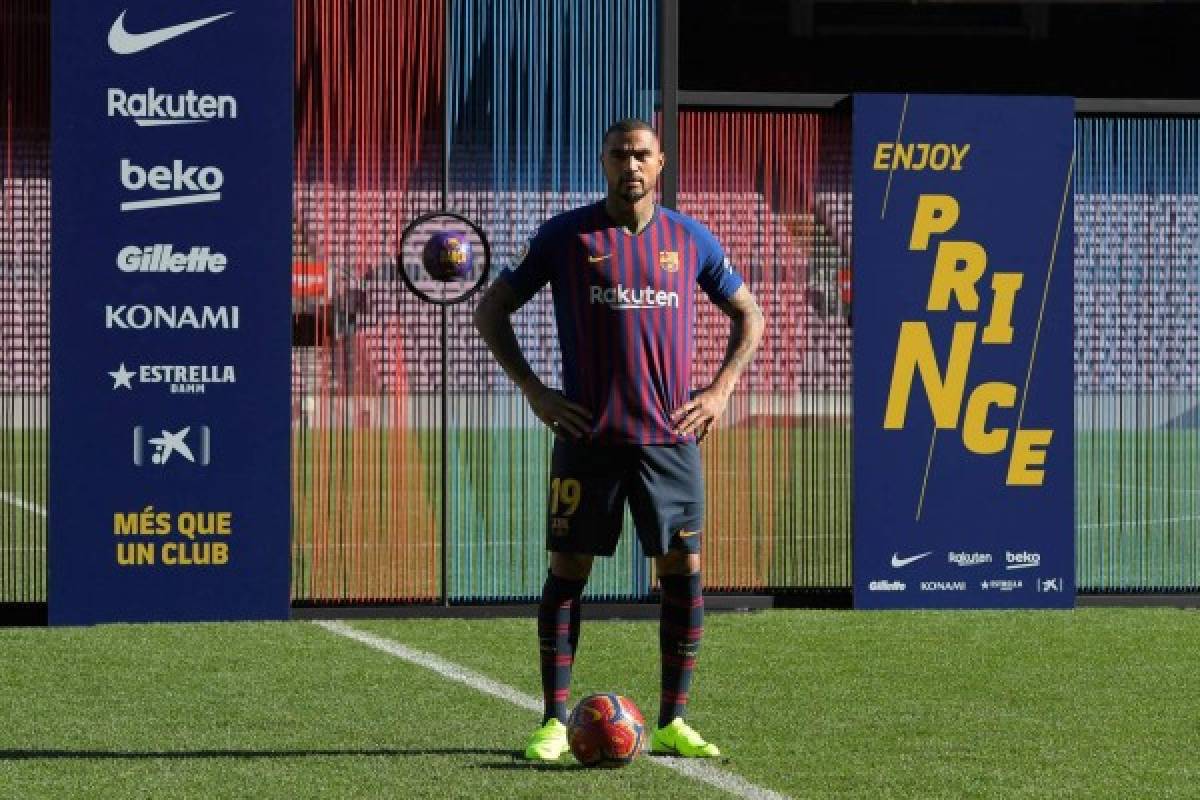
{"points": [[633, 193]]}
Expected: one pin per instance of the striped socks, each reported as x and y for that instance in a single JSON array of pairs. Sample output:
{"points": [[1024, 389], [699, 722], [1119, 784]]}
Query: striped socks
{"points": [[558, 635], [680, 627]]}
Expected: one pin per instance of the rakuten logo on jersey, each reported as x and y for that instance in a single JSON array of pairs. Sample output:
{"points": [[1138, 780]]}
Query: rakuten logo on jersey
{"points": [[140, 317], [621, 298], [152, 108], [176, 185], [163, 258]]}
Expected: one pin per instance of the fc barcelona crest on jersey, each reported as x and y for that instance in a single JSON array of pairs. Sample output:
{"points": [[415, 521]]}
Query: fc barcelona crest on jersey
{"points": [[669, 260]]}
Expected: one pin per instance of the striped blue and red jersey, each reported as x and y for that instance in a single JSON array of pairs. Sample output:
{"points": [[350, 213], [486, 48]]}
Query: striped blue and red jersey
{"points": [[625, 305]]}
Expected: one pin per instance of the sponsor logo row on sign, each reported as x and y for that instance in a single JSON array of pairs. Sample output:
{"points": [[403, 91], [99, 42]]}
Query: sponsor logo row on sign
{"points": [[1019, 560], [148, 186], [995, 584], [1012, 560]]}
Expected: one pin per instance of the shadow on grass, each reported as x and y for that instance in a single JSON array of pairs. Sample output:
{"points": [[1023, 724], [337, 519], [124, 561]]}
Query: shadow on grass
{"points": [[519, 763], [34, 755]]}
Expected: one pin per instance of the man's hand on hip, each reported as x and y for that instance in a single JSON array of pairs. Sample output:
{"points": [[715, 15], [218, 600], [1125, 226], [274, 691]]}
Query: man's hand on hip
{"points": [[699, 413], [559, 413]]}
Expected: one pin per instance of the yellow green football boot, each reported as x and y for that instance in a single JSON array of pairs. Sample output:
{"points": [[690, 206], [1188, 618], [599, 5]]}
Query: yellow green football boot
{"points": [[679, 739], [548, 742]]}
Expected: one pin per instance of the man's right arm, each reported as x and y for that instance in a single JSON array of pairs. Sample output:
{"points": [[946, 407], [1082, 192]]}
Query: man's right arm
{"points": [[493, 321]]}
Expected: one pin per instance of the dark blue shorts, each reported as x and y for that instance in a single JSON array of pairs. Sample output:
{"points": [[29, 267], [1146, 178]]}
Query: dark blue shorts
{"points": [[589, 484]]}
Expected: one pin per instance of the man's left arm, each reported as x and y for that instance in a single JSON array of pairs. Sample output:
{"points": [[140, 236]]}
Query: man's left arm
{"points": [[746, 332]]}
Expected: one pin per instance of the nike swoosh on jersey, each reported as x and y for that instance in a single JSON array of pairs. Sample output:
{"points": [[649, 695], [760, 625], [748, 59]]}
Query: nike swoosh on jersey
{"points": [[897, 561], [594, 259], [124, 43], [686, 534]]}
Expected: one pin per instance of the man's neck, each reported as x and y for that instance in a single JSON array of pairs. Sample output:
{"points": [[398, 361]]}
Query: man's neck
{"points": [[633, 217]]}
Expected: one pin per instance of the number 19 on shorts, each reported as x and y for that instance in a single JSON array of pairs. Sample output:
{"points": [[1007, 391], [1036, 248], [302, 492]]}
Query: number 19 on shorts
{"points": [[564, 494]]}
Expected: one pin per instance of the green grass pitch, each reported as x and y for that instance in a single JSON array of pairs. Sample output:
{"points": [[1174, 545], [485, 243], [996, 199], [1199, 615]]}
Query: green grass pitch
{"points": [[1082, 704]]}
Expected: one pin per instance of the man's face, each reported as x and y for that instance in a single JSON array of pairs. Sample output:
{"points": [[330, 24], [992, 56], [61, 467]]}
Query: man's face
{"points": [[632, 162]]}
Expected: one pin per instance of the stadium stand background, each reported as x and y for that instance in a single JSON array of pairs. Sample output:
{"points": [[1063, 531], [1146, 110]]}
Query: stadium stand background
{"points": [[377, 86]]}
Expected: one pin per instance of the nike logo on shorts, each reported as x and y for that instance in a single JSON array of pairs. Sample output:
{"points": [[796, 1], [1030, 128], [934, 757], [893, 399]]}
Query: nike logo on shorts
{"points": [[124, 43], [604, 257]]}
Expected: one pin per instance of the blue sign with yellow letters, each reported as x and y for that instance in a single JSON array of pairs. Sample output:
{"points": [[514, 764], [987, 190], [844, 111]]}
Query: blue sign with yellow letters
{"points": [[170, 353], [963, 428]]}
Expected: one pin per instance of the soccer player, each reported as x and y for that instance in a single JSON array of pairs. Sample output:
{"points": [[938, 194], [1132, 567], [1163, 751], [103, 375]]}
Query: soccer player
{"points": [[623, 273]]}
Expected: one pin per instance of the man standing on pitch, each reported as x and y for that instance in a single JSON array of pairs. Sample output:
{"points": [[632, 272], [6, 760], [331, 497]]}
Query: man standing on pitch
{"points": [[623, 273]]}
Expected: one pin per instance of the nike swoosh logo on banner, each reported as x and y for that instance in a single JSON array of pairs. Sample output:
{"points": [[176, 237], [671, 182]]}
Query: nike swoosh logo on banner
{"points": [[124, 43], [898, 562], [594, 259]]}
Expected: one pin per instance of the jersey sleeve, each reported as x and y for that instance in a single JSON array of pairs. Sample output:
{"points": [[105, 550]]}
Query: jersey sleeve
{"points": [[533, 272], [716, 275]]}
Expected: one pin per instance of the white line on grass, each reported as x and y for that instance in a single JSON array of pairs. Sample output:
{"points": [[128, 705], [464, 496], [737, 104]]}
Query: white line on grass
{"points": [[698, 770], [16, 500]]}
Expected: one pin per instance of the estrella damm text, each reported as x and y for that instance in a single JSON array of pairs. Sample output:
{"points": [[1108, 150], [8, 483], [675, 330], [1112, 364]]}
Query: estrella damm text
{"points": [[958, 268], [918, 156]]}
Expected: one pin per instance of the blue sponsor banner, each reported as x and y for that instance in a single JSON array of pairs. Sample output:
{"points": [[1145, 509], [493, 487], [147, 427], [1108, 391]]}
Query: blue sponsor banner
{"points": [[963, 434], [170, 302]]}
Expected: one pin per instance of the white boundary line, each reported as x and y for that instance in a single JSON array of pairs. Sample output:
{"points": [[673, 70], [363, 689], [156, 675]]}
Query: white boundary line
{"points": [[15, 500], [697, 770]]}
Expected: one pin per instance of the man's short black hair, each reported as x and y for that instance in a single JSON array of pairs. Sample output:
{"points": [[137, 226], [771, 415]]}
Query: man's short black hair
{"points": [[628, 125]]}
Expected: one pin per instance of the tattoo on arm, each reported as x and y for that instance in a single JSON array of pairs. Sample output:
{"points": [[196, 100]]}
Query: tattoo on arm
{"points": [[744, 335], [492, 320]]}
